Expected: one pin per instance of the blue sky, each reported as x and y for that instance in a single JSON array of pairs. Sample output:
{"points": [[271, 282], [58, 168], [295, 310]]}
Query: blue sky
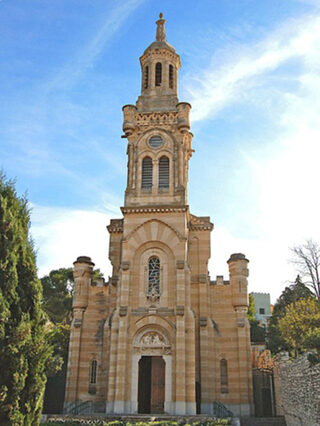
{"points": [[250, 69]]}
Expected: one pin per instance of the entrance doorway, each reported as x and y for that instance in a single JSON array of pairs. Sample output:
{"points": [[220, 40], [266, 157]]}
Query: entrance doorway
{"points": [[151, 387]]}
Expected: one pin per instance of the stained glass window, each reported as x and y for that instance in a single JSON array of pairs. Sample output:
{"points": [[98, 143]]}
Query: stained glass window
{"points": [[154, 275]]}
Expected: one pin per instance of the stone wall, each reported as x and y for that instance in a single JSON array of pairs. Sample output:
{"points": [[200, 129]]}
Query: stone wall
{"points": [[298, 390]]}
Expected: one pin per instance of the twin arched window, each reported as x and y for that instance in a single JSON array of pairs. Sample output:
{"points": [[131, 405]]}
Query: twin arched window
{"points": [[146, 181], [154, 275], [164, 172], [147, 171]]}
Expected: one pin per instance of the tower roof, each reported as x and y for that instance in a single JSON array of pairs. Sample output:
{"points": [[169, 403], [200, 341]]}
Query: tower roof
{"points": [[160, 42]]}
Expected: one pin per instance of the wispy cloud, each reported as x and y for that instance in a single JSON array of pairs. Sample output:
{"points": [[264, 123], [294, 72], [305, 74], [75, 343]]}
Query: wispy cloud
{"points": [[287, 180], [85, 58], [242, 70]]}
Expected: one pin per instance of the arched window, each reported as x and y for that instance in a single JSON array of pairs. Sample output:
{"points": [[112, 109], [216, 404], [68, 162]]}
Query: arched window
{"points": [[146, 173], [154, 275], [224, 375], [146, 77], [158, 74], [164, 172], [93, 372], [171, 76]]}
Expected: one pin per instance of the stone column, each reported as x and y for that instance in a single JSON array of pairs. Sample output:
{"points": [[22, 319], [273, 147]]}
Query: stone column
{"points": [[180, 340]]}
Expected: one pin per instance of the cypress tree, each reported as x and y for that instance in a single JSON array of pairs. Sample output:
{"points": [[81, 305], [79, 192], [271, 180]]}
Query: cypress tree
{"points": [[23, 347]]}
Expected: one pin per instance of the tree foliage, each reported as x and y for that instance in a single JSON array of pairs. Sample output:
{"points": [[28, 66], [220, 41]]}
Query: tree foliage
{"points": [[291, 294], [57, 295], [24, 351], [300, 325]]}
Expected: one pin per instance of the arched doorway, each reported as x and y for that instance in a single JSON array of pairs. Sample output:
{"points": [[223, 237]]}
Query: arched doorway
{"points": [[151, 373], [151, 385]]}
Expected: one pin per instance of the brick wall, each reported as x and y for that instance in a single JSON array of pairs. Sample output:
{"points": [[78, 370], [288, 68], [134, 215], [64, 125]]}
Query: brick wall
{"points": [[298, 390]]}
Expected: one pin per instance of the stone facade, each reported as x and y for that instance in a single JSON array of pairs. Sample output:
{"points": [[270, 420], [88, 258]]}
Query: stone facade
{"points": [[297, 386], [159, 336]]}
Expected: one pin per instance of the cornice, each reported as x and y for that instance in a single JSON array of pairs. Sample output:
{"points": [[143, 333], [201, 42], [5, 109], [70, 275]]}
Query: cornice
{"points": [[158, 209], [116, 226], [200, 223]]}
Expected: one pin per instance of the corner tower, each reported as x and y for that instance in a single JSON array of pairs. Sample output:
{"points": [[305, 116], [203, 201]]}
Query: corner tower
{"points": [[159, 336]]}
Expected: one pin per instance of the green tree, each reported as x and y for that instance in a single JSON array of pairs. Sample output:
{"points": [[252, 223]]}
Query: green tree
{"points": [[300, 325], [57, 295], [291, 294], [24, 351]]}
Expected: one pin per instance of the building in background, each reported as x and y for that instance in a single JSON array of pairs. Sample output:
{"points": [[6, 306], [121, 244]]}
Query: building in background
{"points": [[262, 306], [159, 336]]}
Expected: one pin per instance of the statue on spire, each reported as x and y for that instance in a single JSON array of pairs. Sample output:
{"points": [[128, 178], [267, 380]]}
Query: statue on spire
{"points": [[161, 33]]}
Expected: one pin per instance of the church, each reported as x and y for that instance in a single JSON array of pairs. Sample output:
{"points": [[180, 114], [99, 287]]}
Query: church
{"points": [[159, 336]]}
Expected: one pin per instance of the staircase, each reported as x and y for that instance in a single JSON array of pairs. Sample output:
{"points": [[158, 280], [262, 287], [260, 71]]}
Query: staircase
{"points": [[263, 421]]}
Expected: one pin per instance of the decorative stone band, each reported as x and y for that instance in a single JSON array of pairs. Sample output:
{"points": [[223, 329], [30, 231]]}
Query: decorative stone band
{"points": [[145, 209], [180, 310], [152, 118], [180, 264], [203, 321], [159, 311], [163, 53]]}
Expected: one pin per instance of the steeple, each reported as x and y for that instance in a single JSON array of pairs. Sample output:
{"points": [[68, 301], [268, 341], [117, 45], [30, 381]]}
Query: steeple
{"points": [[159, 74], [161, 32]]}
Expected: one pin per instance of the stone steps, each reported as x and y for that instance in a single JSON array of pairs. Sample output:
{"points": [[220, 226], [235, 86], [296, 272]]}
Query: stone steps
{"points": [[263, 421]]}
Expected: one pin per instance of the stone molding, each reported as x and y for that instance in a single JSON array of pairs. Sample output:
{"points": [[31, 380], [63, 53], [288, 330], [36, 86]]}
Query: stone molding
{"points": [[116, 226], [150, 119], [163, 53], [200, 223], [162, 209], [203, 321]]}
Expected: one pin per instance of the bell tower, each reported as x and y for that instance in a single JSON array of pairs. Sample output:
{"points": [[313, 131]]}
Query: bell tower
{"points": [[157, 130]]}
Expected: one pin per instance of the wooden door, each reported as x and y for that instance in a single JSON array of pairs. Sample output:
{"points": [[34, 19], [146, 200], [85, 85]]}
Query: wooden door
{"points": [[151, 386], [144, 385], [157, 385]]}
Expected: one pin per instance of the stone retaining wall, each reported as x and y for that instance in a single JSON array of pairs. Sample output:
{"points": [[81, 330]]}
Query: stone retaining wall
{"points": [[298, 390]]}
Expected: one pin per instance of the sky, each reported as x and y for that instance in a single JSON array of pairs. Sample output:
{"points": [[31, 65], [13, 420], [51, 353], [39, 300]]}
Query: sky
{"points": [[250, 69]]}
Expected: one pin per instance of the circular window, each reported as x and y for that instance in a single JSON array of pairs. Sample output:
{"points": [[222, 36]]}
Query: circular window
{"points": [[155, 141]]}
